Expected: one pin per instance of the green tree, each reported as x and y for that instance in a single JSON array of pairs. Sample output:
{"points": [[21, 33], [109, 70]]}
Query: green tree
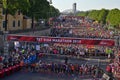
{"points": [[83, 13], [113, 17], [53, 11], [110, 16], [14, 5], [40, 9], [102, 15], [94, 14]]}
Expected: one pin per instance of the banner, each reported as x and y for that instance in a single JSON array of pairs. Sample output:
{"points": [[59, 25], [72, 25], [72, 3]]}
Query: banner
{"points": [[101, 42]]}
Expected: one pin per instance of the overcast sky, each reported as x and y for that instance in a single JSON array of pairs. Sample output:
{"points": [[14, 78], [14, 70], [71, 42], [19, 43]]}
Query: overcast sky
{"points": [[84, 5]]}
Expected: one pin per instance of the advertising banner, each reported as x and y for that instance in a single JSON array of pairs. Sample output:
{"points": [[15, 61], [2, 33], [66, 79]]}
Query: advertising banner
{"points": [[41, 39]]}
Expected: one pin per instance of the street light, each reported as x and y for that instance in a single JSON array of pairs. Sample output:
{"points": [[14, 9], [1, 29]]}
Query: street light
{"points": [[6, 13], [5, 32]]}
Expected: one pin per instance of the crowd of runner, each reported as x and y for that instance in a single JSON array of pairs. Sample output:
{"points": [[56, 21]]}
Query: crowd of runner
{"points": [[15, 61], [25, 60], [115, 65], [27, 55], [81, 28], [65, 49], [29, 52], [66, 68]]}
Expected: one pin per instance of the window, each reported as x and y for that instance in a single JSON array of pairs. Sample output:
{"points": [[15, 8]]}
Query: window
{"points": [[18, 23], [3, 11], [3, 24], [13, 23]]}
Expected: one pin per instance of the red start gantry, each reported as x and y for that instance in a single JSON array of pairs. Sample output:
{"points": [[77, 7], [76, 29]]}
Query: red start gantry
{"points": [[44, 39]]}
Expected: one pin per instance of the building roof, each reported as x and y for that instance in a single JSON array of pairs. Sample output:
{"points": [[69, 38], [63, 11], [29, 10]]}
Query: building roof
{"points": [[26, 17]]}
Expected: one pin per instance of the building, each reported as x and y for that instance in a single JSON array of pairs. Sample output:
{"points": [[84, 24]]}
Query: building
{"points": [[27, 22], [16, 22], [13, 22], [74, 8]]}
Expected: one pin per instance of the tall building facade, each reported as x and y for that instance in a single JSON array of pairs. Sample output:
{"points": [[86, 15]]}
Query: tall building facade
{"points": [[74, 8]]}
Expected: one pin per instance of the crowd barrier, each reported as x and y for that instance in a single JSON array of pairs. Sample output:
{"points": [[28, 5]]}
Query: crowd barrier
{"points": [[12, 69], [8, 71]]}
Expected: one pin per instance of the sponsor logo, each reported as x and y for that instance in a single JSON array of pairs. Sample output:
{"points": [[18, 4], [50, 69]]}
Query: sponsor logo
{"points": [[13, 38]]}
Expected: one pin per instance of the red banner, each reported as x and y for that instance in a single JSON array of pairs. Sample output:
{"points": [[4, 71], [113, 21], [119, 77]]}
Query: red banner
{"points": [[101, 42]]}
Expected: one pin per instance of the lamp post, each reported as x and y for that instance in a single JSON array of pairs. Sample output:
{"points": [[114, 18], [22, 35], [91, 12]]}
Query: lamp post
{"points": [[32, 22], [32, 10], [6, 14], [5, 32]]}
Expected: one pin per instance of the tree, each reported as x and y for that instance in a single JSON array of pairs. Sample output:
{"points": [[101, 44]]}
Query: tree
{"points": [[102, 15], [113, 17], [94, 14], [40, 9], [83, 13], [53, 12], [14, 5]]}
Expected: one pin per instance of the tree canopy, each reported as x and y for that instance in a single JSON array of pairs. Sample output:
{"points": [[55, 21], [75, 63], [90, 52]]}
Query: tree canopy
{"points": [[113, 17], [41, 9], [93, 14], [104, 16], [14, 5], [83, 13], [38, 8]]}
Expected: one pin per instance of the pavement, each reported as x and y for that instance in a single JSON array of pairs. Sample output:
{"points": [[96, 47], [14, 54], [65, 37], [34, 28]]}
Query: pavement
{"points": [[45, 76], [101, 62], [97, 58], [45, 32]]}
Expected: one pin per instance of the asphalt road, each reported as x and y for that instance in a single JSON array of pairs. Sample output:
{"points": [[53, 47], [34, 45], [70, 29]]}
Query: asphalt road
{"points": [[100, 61], [22, 75], [45, 32]]}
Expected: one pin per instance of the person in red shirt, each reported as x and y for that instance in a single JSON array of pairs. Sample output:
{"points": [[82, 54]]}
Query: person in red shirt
{"points": [[1, 70], [109, 69], [80, 70], [0, 58]]}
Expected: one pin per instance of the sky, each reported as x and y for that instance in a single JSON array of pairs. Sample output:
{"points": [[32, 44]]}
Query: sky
{"points": [[84, 5]]}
